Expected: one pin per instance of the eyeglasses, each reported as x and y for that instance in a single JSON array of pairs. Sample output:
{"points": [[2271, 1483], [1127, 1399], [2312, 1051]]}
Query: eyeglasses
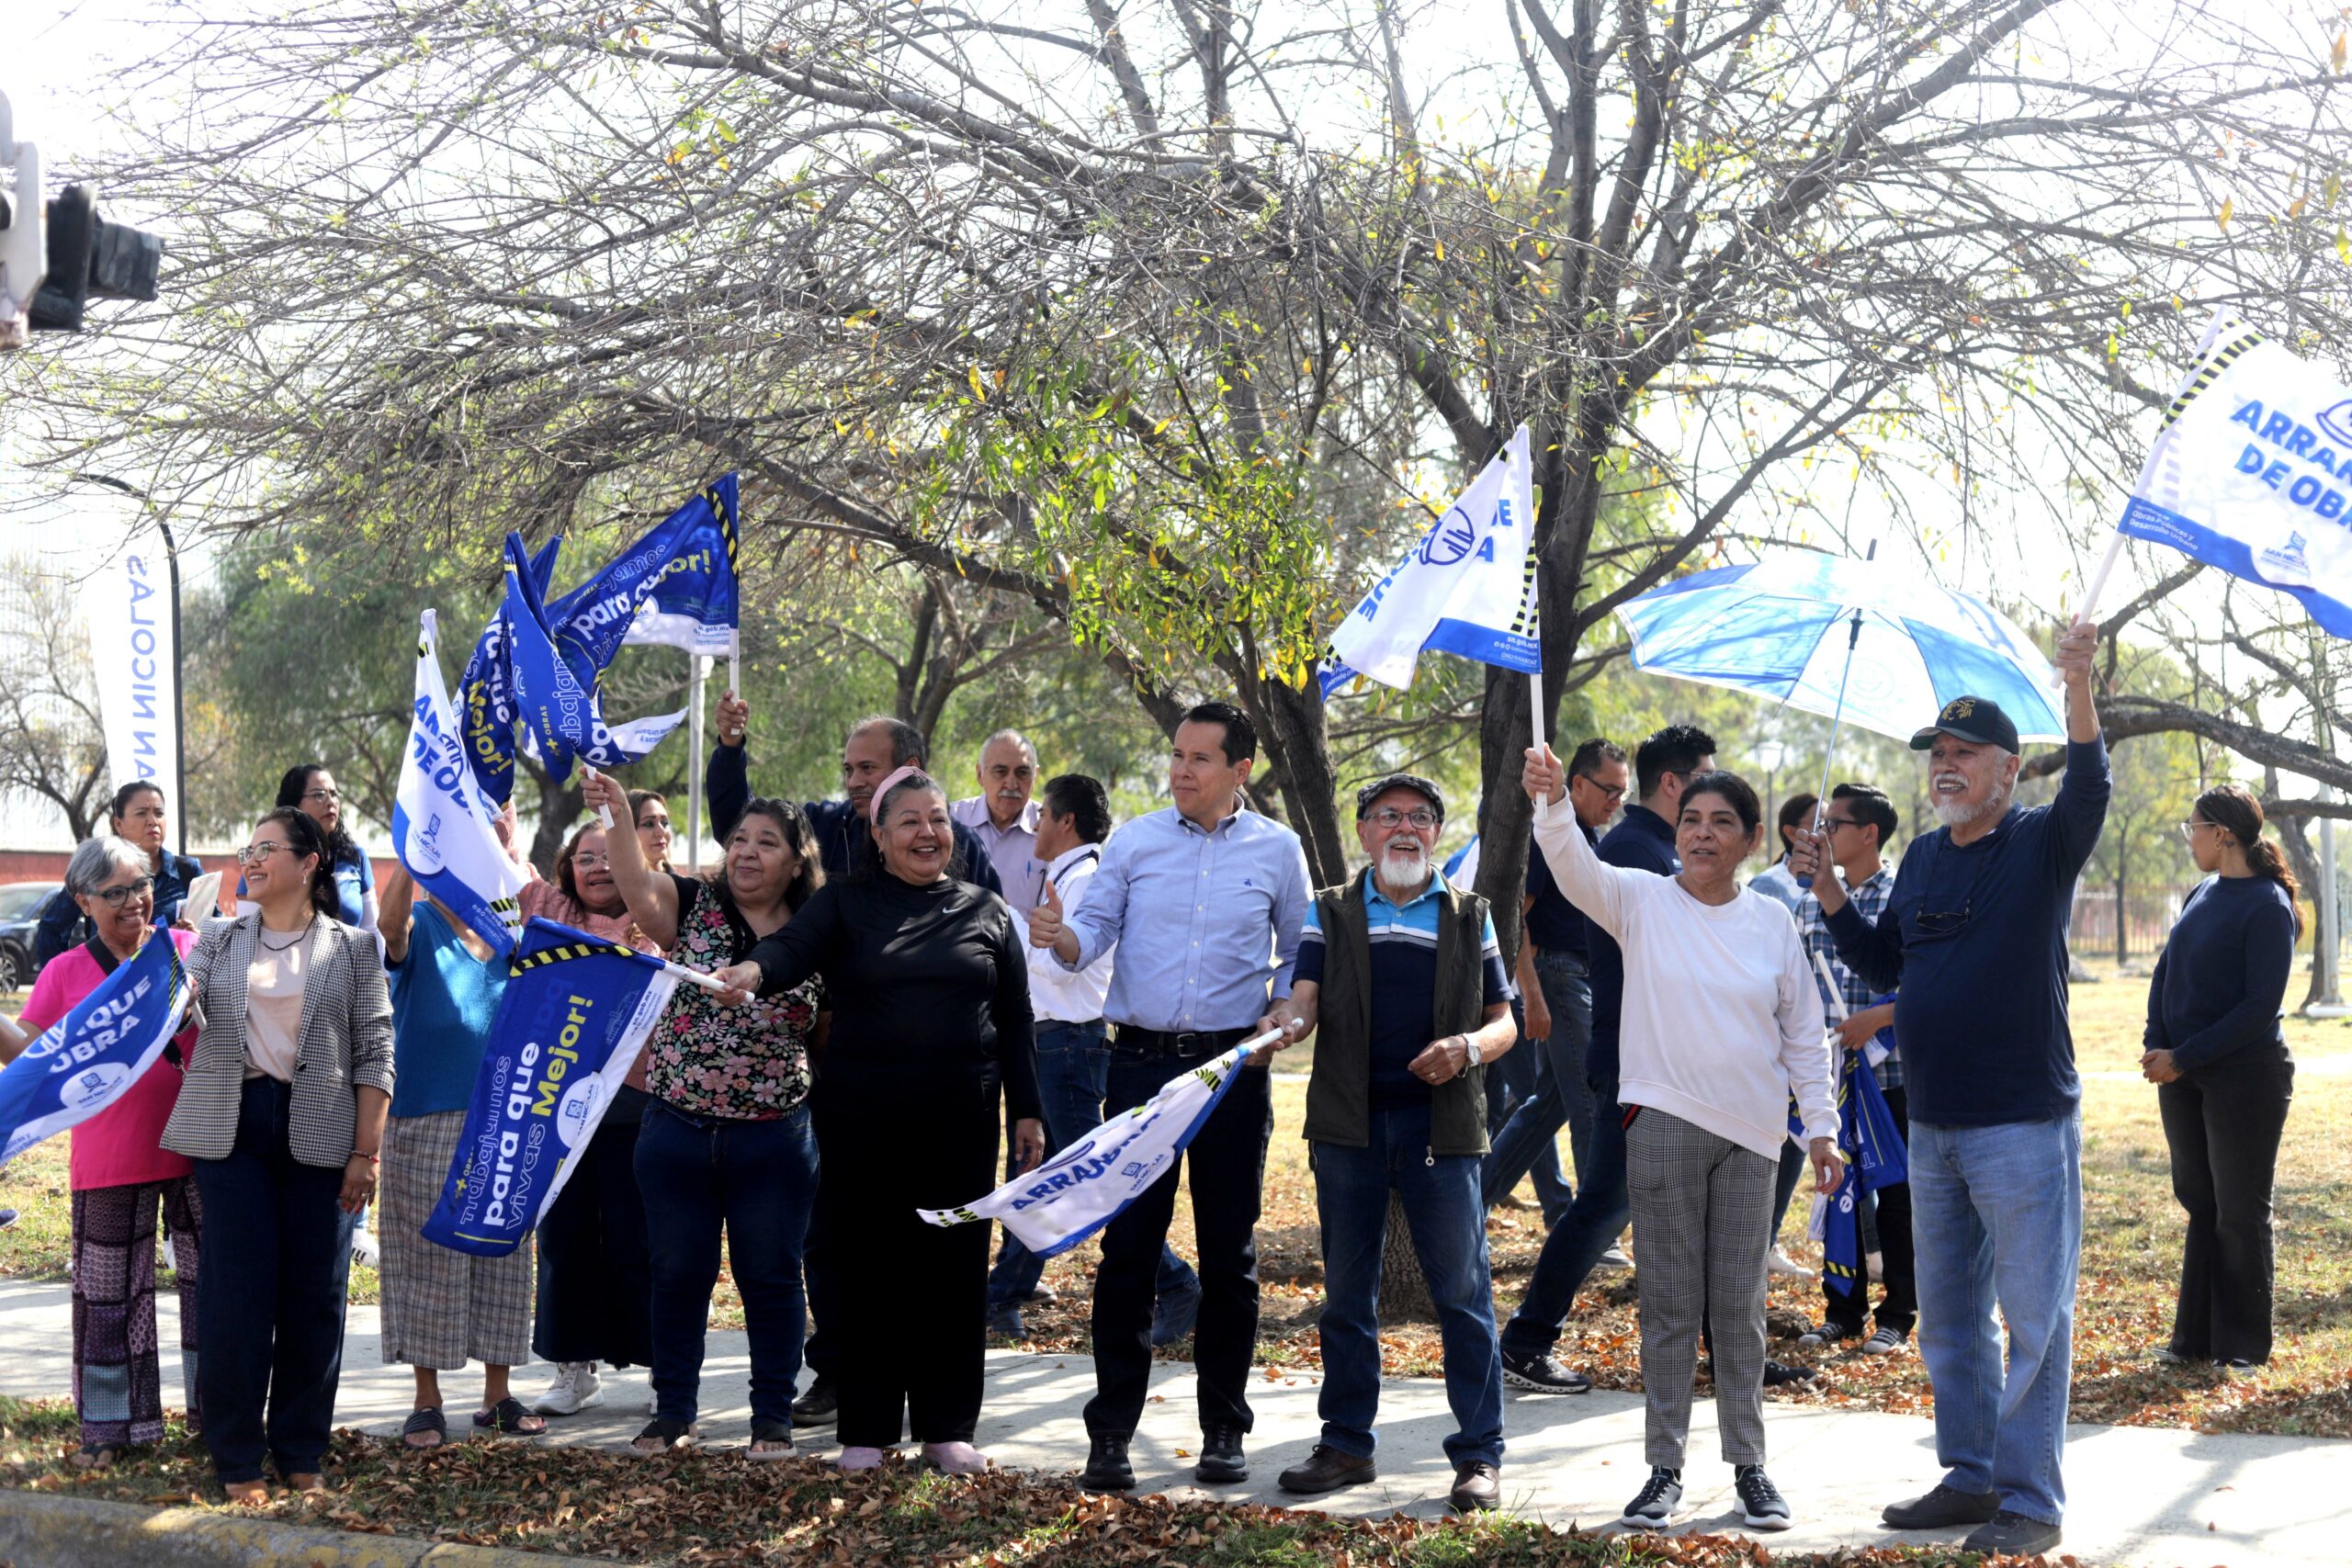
{"points": [[1945, 923], [1831, 824], [1610, 793], [1389, 817], [584, 858], [255, 854], [115, 898], [329, 796], [2188, 829]]}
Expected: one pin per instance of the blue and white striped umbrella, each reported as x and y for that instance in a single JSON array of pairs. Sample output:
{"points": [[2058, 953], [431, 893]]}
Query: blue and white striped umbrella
{"points": [[1780, 628]]}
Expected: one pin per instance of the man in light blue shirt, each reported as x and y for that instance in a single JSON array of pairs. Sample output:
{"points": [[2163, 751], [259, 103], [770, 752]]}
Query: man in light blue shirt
{"points": [[1205, 903]]}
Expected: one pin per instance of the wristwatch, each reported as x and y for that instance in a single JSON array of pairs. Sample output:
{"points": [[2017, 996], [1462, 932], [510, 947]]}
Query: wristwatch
{"points": [[1471, 1047]]}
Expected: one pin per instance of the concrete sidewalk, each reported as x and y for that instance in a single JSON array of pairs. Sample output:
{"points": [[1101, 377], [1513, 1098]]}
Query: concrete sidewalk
{"points": [[2144, 1497]]}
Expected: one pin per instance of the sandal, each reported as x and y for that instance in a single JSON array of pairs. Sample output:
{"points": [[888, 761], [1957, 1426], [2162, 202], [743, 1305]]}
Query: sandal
{"points": [[672, 1434], [96, 1455], [241, 1492], [423, 1422], [770, 1431], [509, 1419]]}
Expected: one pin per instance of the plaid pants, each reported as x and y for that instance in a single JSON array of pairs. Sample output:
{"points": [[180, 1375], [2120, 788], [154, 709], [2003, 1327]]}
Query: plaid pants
{"points": [[117, 1385], [1702, 1210]]}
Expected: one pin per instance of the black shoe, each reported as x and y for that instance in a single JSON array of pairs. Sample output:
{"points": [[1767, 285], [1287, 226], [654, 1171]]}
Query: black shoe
{"points": [[1941, 1510], [1653, 1508], [1107, 1468], [8, 1218], [1222, 1460], [820, 1407], [1477, 1486], [1173, 1314], [1040, 1295], [1544, 1373], [2011, 1534], [1780, 1374], [1760, 1503], [1327, 1469]]}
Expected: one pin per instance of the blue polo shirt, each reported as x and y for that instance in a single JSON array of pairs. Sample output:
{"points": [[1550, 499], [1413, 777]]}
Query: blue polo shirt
{"points": [[1644, 841], [1404, 984], [1553, 924]]}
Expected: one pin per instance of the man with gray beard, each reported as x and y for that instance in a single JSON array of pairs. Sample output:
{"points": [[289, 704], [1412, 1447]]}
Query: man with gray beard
{"points": [[1975, 937], [1401, 972]]}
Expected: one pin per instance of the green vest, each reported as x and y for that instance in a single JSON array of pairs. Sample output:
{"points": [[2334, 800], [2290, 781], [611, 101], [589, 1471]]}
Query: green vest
{"points": [[1339, 1091]]}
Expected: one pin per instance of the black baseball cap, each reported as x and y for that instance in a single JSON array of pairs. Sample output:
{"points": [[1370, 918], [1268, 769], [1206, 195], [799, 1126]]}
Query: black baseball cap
{"points": [[1386, 782], [1978, 720]]}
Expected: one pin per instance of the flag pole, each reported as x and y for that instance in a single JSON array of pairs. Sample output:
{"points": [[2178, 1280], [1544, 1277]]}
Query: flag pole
{"points": [[694, 762], [2098, 578]]}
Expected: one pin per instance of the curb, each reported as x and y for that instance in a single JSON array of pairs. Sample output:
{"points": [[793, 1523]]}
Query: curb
{"points": [[37, 1530]]}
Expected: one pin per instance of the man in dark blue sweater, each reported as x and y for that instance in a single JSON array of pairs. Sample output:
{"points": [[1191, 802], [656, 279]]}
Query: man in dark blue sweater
{"points": [[1975, 935]]}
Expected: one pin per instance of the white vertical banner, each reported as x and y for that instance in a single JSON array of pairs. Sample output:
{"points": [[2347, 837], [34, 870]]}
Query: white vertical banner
{"points": [[128, 603]]}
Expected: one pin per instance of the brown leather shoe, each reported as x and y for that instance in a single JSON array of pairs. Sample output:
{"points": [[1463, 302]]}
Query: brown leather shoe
{"points": [[1477, 1486], [1326, 1470]]}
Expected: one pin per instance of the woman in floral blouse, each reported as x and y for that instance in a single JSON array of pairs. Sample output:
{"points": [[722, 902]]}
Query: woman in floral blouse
{"points": [[725, 1143]]}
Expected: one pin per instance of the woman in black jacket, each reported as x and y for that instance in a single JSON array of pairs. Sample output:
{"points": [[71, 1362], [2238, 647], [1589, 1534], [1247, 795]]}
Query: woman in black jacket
{"points": [[2223, 1076], [930, 987]]}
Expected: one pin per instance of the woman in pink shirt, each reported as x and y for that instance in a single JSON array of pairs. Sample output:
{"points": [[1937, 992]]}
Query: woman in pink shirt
{"points": [[121, 1176]]}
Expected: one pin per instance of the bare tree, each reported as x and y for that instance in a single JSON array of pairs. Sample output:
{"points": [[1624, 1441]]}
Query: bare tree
{"points": [[52, 746]]}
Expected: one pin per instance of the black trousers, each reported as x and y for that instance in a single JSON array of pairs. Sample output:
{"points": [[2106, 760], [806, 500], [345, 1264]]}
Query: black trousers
{"points": [[1898, 1306], [2223, 1124], [596, 1291], [910, 1299], [1227, 1167]]}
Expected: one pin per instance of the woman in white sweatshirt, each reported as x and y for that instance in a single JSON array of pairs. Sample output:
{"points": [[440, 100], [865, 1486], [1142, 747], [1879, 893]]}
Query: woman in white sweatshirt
{"points": [[1722, 1024]]}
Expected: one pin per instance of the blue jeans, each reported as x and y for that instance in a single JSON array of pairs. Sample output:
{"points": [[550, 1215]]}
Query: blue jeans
{"points": [[1528, 1143], [1073, 1066], [1996, 1218], [754, 1180], [270, 1334], [1440, 1196], [1584, 1233]]}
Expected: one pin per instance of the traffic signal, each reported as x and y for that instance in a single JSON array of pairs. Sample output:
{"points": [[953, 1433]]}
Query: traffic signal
{"points": [[89, 257]]}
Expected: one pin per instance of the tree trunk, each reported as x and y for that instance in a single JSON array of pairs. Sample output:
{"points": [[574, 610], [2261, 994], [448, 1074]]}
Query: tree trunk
{"points": [[1404, 1293], [2298, 846], [1310, 788], [2123, 927]]}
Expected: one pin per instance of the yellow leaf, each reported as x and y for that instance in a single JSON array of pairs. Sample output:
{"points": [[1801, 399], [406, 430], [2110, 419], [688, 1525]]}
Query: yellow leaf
{"points": [[980, 391], [2228, 206], [2295, 207]]}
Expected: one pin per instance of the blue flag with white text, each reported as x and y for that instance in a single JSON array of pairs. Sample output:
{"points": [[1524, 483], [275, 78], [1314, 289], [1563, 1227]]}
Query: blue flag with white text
{"points": [[556, 688], [674, 587], [1872, 1146], [85, 1061], [444, 831], [486, 712], [575, 1013]]}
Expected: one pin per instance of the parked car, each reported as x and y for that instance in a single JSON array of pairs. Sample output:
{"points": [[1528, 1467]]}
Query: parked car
{"points": [[21, 906]]}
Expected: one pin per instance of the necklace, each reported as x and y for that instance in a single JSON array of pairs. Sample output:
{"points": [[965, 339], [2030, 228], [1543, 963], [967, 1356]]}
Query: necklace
{"points": [[282, 946]]}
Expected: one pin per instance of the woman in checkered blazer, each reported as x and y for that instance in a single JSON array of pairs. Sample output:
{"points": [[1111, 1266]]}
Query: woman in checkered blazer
{"points": [[283, 1114]]}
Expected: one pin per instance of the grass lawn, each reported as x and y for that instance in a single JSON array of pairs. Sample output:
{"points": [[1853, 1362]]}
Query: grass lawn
{"points": [[2130, 1255], [802, 1513]]}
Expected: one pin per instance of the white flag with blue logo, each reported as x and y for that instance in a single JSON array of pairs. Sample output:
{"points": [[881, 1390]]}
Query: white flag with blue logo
{"points": [[1078, 1192], [85, 1061], [443, 826], [1466, 587], [2252, 472]]}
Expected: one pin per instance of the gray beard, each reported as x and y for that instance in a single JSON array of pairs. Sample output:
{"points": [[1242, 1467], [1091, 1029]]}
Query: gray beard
{"points": [[1392, 874], [1955, 815]]}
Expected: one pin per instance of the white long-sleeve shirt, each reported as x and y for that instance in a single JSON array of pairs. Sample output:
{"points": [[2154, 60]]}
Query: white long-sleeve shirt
{"points": [[1057, 995], [1722, 1022]]}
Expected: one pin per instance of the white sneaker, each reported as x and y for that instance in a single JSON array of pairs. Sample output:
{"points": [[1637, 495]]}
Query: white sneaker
{"points": [[576, 1388], [1780, 1262], [364, 1248], [1615, 1258], [1885, 1342]]}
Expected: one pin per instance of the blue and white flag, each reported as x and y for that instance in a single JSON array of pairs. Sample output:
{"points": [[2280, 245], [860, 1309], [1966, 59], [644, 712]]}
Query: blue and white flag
{"points": [[487, 693], [2252, 472], [85, 1061], [444, 829], [1085, 1187], [1467, 586], [555, 687], [575, 1013], [673, 588], [1871, 1146]]}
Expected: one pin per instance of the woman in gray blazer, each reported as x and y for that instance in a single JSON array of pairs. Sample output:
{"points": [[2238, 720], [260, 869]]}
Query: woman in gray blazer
{"points": [[283, 1114]]}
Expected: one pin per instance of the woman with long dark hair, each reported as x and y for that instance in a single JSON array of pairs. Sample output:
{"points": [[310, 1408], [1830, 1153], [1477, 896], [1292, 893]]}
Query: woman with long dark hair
{"points": [[931, 1051], [725, 1149], [651, 812], [2224, 1079], [138, 816], [282, 1113], [309, 788]]}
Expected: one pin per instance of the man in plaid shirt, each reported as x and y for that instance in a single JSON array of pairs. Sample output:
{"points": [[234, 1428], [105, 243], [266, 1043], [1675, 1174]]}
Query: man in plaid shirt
{"points": [[1858, 824]]}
